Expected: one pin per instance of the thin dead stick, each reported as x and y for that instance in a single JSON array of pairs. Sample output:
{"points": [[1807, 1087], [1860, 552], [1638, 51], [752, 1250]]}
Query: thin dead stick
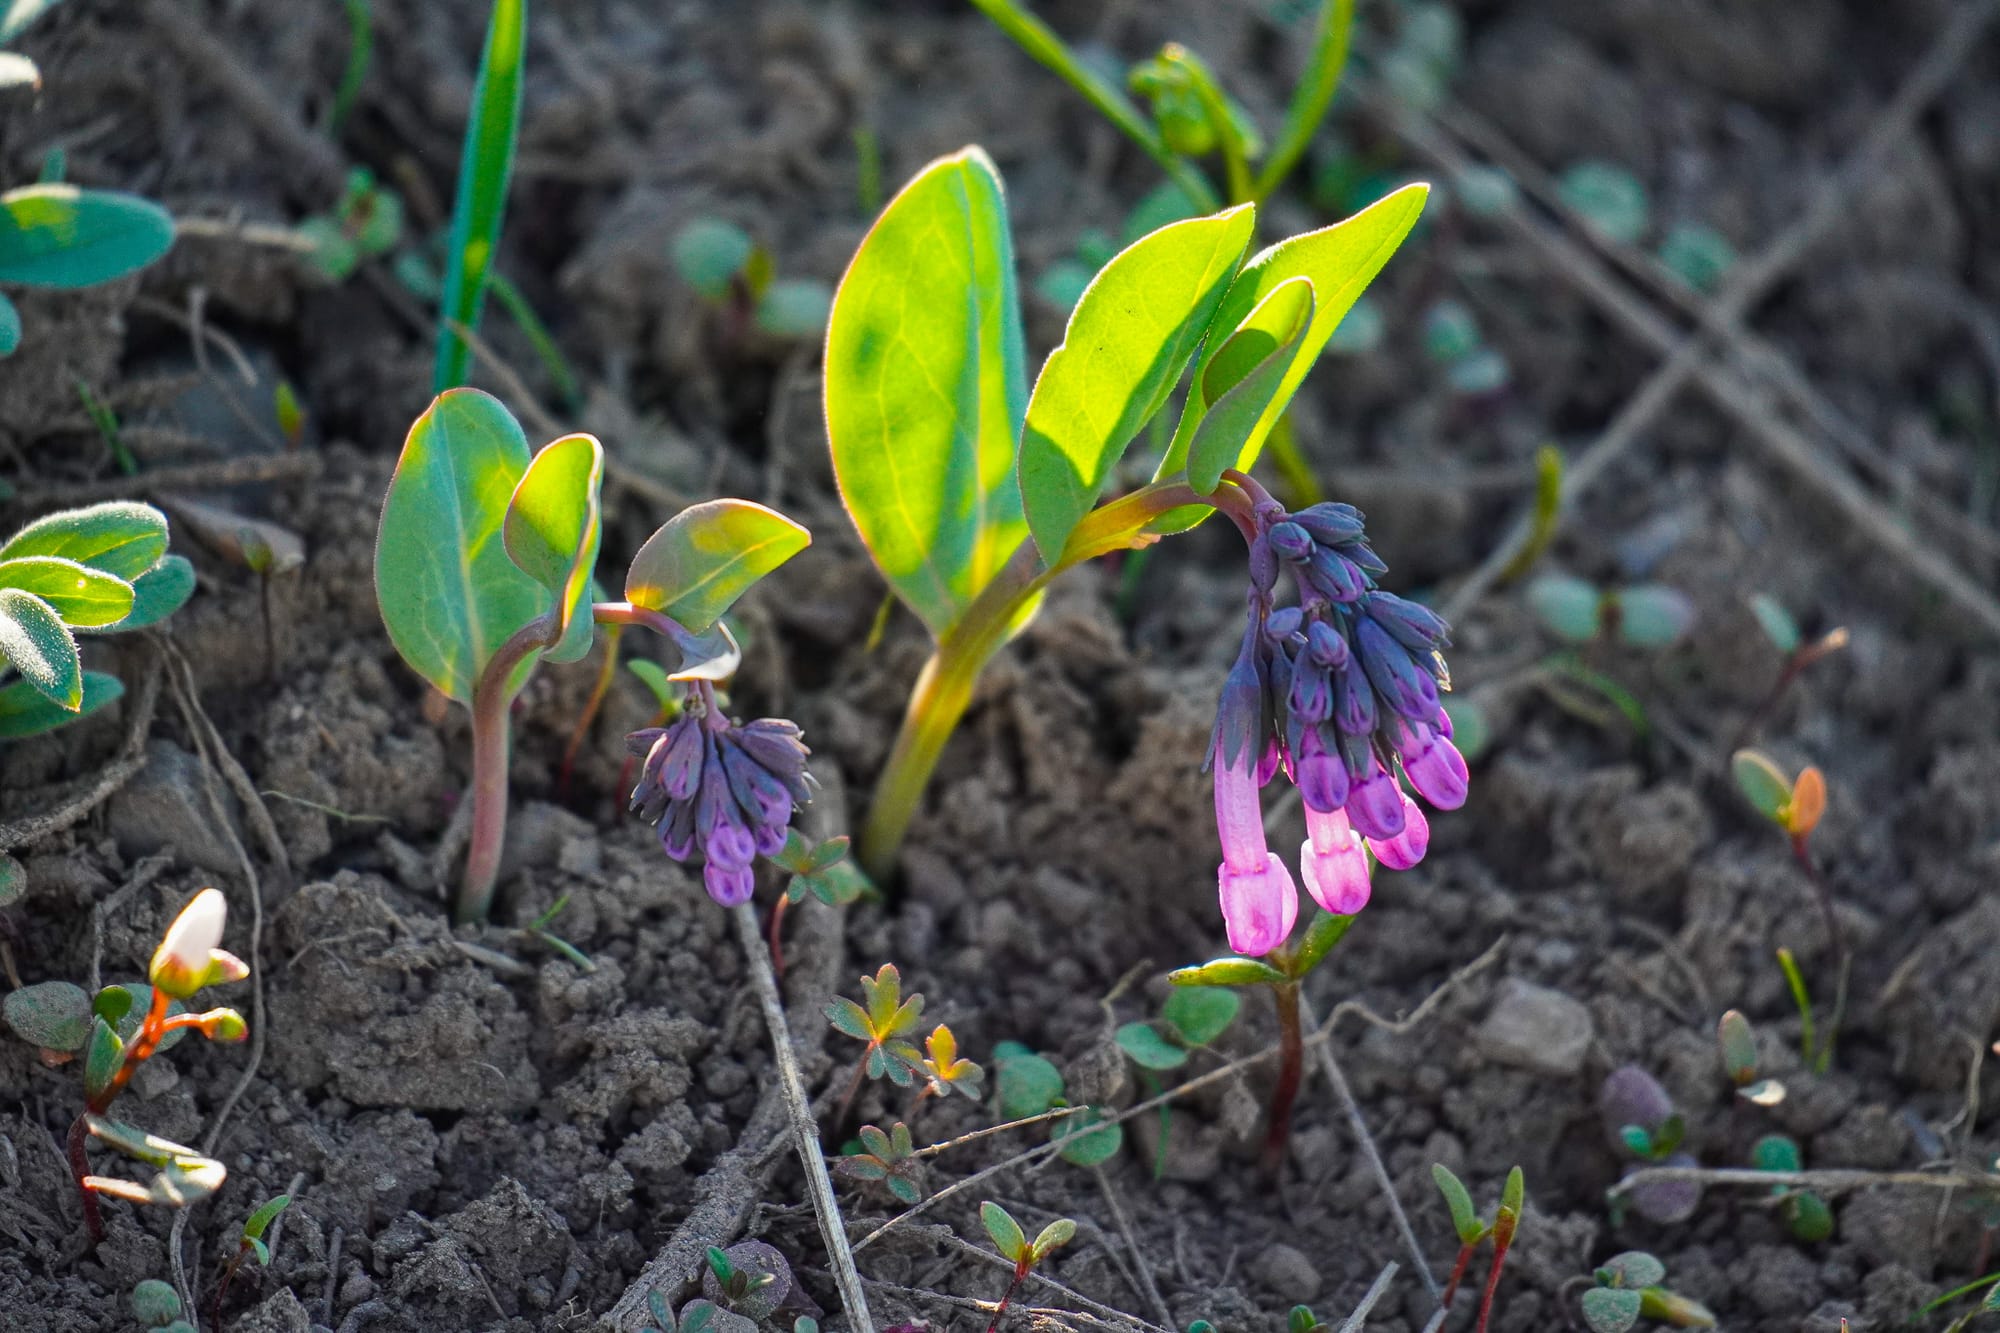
{"points": [[184, 477], [1140, 1268], [804, 1128], [262, 234], [1830, 1181], [1059, 1113], [1376, 1291]]}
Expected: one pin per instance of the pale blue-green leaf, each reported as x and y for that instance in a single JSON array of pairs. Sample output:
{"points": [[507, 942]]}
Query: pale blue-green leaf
{"points": [[61, 236], [25, 711], [10, 327], [158, 593]]}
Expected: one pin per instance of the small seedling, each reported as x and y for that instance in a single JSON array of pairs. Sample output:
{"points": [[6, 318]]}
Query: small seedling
{"points": [[1646, 615], [1629, 1288], [1737, 1041], [98, 570], [510, 586], [1796, 807], [367, 221], [824, 870], [1608, 198], [750, 1286], [538, 929], [1301, 1319], [1799, 655], [733, 272], [1472, 1230], [1807, 1216], [1452, 339], [249, 1243], [1698, 255], [945, 1071], [1641, 1117], [1027, 1085], [889, 1159], [1015, 1247], [1191, 1018], [157, 1306], [131, 1024], [884, 1021]]}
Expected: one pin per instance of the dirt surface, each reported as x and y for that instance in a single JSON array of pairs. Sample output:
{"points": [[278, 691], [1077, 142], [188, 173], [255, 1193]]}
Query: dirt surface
{"points": [[481, 1135]]}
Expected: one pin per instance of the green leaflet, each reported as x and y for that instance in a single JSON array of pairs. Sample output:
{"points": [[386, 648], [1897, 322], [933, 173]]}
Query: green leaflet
{"points": [[702, 559], [82, 597], [449, 594], [35, 642], [1003, 1231], [1130, 337], [61, 236], [1340, 260], [926, 388], [121, 538], [552, 529], [484, 168], [159, 592], [1244, 376], [10, 327], [1228, 972]]}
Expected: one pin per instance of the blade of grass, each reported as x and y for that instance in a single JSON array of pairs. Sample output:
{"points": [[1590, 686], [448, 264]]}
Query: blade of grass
{"points": [[360, 46], [1312, 97], [483, 171]]}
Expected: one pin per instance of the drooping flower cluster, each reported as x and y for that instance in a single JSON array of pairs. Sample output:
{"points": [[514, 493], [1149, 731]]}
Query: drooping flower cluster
{"points": [[723, 788], [1340, 693]]}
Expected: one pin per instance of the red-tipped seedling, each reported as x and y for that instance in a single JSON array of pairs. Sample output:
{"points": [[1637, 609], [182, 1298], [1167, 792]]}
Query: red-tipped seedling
{"points": [[1796, 806], [1016, 1248], [250, 1241], [883, 1021]]}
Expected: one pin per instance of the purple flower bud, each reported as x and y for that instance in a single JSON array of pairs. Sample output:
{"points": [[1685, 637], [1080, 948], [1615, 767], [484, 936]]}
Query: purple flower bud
{"points": [[1292, 543], [732, 844], [1239, 712], [1409, 843], [1417, 628], [1443, 722], [771, 838], [639, 742], [1268, 765], [1283, 623], [1395, 677], [681, 753], [1311, 696], [731, 886], [1333, 863], [1375, 804], [1438, 773], [1322, 777], [677, 831], [1263, 566], [1259, 906], [1325, 645], [1353, 700], [1330, 523], [1332, 577], [1239, 814], [761, 795], [1362, 556]]}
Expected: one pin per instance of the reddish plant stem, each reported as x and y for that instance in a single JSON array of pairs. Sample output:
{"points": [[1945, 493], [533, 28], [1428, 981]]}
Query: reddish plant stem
{"points": [[591, 708], [1465, 1253], [222, 1287], [152, 1030], [1503, 1237], [777, 934], [1020, 1275], [79, 1168], [1291, 1063], [491, 740]]}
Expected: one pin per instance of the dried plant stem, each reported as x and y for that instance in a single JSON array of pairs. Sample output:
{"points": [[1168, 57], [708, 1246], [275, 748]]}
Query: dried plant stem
{"points": [[805, 1131], [1377, 1289], [1831, 1181]]}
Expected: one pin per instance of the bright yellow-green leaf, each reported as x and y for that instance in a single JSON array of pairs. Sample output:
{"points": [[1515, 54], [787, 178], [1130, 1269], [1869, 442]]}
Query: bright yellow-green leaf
{"points": [[1130, 337], [83, 597], [705, 557], [553, 526], [926, 388], [485, 165], [1242, 379], [121, 537]]}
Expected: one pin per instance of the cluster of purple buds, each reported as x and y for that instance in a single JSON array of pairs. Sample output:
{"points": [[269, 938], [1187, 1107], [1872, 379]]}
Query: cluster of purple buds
{"points": [[724, 788], [1340, 693]]}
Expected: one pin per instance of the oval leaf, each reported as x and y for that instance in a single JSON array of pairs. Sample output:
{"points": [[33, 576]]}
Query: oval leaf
{"points": [[1131, 335], [1199, 1014], [54, 1015], [1341, 261], [122, 538], [1464, 1217], [1146, 1046], [926, 388], [1027, 1084], [83, 597], [705, 557], [34, 640], [449, 594], [1004, 1231], [61, 236], [10, 327], [1228, 972], [159, 592], [1761, 783], [1087, 1140], [553, 526], [1610, 1309]]}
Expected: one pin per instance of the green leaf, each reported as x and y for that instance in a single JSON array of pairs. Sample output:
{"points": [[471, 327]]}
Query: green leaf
{"points": [[1636, 1140], [155, 1303], [1143, 1042], [849, 1017], [449, 594], [1767, 789], [1301, 1319], [61, 236], [1341, 261], [552, 529], [1775, 1152], [1027, 1084], [25, 711], [82, 597], [1004, 1231], [1570, 607], [794, 308], [709, 252], [1610, 1309], [926, 388], [655, 678], [53, 1015], [10, 327], [260, 1221], [1087, 1140], [484, 167], [1052, 1237], [1808, 1217], [1327, 929], [100, 1062], [1667, 1138], [1199, 1014], [705, 557], [1634, 1269], [1651, 616], [1132, 334], [1739, 1047], [34, 640], [1228, 972], [16, 15], [121, 538], [1244, 377], [1776, 622], [1513, 1191], [158, 593], [1464, 1217]]}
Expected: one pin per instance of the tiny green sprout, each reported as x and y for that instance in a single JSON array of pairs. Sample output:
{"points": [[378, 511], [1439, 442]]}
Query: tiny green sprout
{"points": [[1628, 1288], [539, 929], [1201, 1326], [889, 1159], [1641, 1117], [1698, 255], [365, 222], [744, 1288], [1796, 806], [250, 1241], [290, 412], [883, 1020], [1301, 1319], [1472, 1229], [1807, 1216], [155, 1304], [1797, 653], [726, 267], [1609, 199], [103, 569], [1737, 1041], [823, 870], [1450, 332], [1015, 1247], [1646, 616]]}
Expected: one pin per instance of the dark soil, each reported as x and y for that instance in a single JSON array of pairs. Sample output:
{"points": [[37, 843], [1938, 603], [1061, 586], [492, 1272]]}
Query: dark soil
{"points": [[479, 1134]]}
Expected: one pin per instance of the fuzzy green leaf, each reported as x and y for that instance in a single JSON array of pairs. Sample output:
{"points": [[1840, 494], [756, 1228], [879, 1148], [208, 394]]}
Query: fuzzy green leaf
{"points": [[1808, 1217], [122, 538], [1244, 377], [485, 165], [1327, 929], [849, 1017], [449, 594], [53, 1015], [1739, 1047], [1131, 335], [26, 711], [155, 1303], [1228, 972], [1775, 1152], [700, 561], [926, 388], [552, 529], [1143, 1042], [62, 236], [1610, 1309], [35, 642], [10, 327], [1005, 1232], [1200, 1014], [1052, 1238], [84, 598], [1634, 1269]]}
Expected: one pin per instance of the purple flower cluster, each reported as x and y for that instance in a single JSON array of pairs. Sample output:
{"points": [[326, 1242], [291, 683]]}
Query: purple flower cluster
{"points": [[724, 788], [1340, 693]]}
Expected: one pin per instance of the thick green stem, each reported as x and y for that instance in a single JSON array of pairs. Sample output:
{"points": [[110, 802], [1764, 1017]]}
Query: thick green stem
{"points": [[944, 690], [491, 738]]}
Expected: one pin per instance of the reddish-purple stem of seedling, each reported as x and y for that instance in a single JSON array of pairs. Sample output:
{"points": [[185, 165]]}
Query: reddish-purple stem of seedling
{"points": [[777, 934], [1021, 1270], [591, 708], [1503, 1236], [1465, 1253], [1796, 663], [491, 739], [1291, 1065], [153, 1029], [228, 1276]]}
